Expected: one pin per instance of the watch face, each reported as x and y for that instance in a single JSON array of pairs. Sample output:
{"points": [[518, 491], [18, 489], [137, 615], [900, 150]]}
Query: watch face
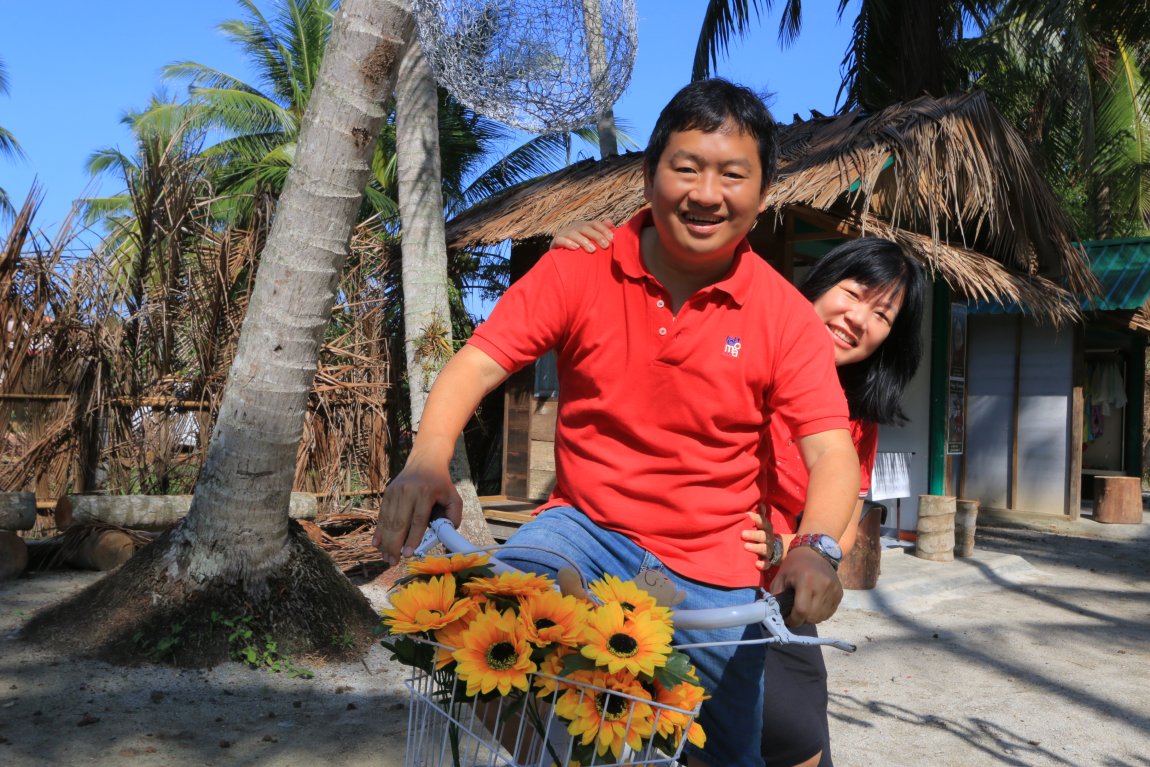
{"points": [[830, 546]]}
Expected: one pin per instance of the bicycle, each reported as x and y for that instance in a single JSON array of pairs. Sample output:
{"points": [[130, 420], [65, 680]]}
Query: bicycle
{"points": [[446, 727]]}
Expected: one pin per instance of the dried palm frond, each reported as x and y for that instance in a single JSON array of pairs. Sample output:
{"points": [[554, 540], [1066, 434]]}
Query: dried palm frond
{"points": [[44, 356], [135, 362], [972, 275], [949, 169]]}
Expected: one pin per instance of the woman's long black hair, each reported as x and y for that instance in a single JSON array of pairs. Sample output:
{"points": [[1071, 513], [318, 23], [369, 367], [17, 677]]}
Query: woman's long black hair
{"points": [[874, 386]]}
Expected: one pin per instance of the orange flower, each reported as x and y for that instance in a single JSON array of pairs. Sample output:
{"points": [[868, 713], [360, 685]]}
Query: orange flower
{"points": [[451, 638], [550, 617], [669, 722], [443, 565], [495, 654], [425, 606], [609, 720], [509, 584], [638, 642], [551, 666]]}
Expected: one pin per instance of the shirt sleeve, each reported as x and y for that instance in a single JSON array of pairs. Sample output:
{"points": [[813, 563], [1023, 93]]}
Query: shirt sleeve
{"points": [[528, 320]]}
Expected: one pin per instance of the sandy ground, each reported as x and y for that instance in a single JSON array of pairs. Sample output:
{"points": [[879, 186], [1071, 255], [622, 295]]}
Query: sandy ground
{"points": [[1041, 658], [1035, 652]]}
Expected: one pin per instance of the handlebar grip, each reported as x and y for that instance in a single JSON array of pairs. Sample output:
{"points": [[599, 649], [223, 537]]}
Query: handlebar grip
{"points": [[786, 601]]}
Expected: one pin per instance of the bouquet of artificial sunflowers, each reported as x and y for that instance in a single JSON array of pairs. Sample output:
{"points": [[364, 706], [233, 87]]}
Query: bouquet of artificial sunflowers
{"points": [[513, 654]]}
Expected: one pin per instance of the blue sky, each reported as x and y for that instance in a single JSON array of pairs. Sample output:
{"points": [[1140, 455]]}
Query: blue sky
{"points": [[75, 67]]}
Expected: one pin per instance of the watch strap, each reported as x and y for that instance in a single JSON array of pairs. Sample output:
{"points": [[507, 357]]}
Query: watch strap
{"points": [[815, 541]]}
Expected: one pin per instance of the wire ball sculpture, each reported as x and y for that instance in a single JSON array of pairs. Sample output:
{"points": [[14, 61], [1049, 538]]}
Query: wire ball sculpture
{"points": [[537, 65]]}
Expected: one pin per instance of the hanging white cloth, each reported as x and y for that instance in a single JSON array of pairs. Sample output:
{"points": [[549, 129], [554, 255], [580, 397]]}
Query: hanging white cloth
{"points": [[1107, 387], [890, 477]]}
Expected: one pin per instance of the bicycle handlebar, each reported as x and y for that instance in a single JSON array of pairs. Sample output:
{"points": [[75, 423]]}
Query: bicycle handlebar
{"points": [[769, 611]]}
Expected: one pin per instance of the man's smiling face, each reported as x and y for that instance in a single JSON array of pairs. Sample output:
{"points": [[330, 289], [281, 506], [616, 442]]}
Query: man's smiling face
{"points": [[705, 192]]}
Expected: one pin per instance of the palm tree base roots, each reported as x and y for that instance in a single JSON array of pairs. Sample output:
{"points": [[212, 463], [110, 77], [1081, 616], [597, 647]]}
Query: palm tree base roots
{"points": [[140, 614]]}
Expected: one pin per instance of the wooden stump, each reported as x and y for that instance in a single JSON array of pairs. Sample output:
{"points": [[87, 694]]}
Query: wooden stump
{"points": [[13, 555], [148, 512], [935, 539], [102, 550], [965, 519], [17, 511], [1118, 500], [860, 568]]}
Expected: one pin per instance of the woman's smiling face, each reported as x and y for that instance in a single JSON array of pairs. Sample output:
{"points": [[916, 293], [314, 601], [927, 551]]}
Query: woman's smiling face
{"points": [[858, 318]]}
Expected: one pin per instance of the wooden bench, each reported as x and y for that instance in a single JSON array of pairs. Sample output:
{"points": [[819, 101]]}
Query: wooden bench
{"points": [[505, 515]]}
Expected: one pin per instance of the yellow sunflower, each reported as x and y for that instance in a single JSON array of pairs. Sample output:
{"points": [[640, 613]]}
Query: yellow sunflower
{"points": [[627, 593], [509, 584], [639, 642], [495, 653], [425, 606], [552, 665], [551, 618], [451, 637], [442, 565], [609, 720], [670, 723]]}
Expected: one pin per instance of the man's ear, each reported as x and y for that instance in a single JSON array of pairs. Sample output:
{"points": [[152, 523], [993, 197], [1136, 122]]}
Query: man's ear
{"points": [[763, 198]]}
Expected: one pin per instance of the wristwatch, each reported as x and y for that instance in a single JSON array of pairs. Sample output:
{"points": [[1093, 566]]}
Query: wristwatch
{"points": [[827, 547]]}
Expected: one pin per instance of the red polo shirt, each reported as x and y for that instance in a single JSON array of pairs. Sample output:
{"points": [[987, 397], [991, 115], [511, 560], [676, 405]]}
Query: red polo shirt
{"points": [[660, 416]]}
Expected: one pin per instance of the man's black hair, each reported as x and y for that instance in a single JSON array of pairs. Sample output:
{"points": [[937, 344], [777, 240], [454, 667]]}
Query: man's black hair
{"points": [[874, 386], [705, 105]]}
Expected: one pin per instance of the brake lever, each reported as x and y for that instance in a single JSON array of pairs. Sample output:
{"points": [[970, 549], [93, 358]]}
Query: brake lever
{"points": [[776, 626]]}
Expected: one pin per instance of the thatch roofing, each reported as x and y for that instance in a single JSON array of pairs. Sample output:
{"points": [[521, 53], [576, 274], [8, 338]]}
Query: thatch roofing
{"points": [[948, 178]]}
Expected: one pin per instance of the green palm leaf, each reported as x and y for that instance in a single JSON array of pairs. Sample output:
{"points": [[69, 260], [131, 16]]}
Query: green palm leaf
{"points": [[724, 19]]}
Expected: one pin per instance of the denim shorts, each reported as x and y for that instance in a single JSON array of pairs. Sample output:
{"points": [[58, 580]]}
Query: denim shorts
{"points": [[732, 717]]}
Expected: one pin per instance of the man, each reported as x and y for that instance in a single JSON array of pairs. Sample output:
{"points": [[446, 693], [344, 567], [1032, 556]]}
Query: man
{"points": [[676, 346]]}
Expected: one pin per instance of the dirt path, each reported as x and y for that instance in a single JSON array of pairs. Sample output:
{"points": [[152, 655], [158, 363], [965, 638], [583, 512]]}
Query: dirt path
{"points": [[60, 711], [1039, 665], [1049, 670]]}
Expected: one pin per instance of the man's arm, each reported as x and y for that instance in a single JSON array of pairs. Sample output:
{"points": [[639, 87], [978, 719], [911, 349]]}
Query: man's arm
{"points": [[426, 480], [832, 493]]}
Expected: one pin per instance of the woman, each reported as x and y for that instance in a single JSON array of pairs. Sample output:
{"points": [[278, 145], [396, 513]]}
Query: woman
{"points": [[869, 294]]}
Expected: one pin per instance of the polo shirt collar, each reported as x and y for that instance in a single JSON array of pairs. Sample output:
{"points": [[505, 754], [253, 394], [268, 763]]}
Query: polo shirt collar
{"points": [[627, 253]]}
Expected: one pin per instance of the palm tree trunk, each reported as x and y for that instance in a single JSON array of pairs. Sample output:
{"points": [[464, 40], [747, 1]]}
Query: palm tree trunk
{"points": [[597, 60], [426, 303], [251, 460], [235, 547]]}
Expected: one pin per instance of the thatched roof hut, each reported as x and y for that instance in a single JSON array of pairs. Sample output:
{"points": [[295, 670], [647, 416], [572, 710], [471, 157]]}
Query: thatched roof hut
{"points": [[948, 178]]}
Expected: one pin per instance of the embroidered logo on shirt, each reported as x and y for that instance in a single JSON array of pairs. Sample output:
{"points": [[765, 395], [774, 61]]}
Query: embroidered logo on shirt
{"points": [[732, 347]]}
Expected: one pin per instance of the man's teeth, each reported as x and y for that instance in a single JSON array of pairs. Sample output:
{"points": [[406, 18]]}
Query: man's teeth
{"points": [[699, 220]]}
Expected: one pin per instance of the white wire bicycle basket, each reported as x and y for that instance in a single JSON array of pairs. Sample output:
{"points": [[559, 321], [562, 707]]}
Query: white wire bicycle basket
{"points": [[447, 729]]}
